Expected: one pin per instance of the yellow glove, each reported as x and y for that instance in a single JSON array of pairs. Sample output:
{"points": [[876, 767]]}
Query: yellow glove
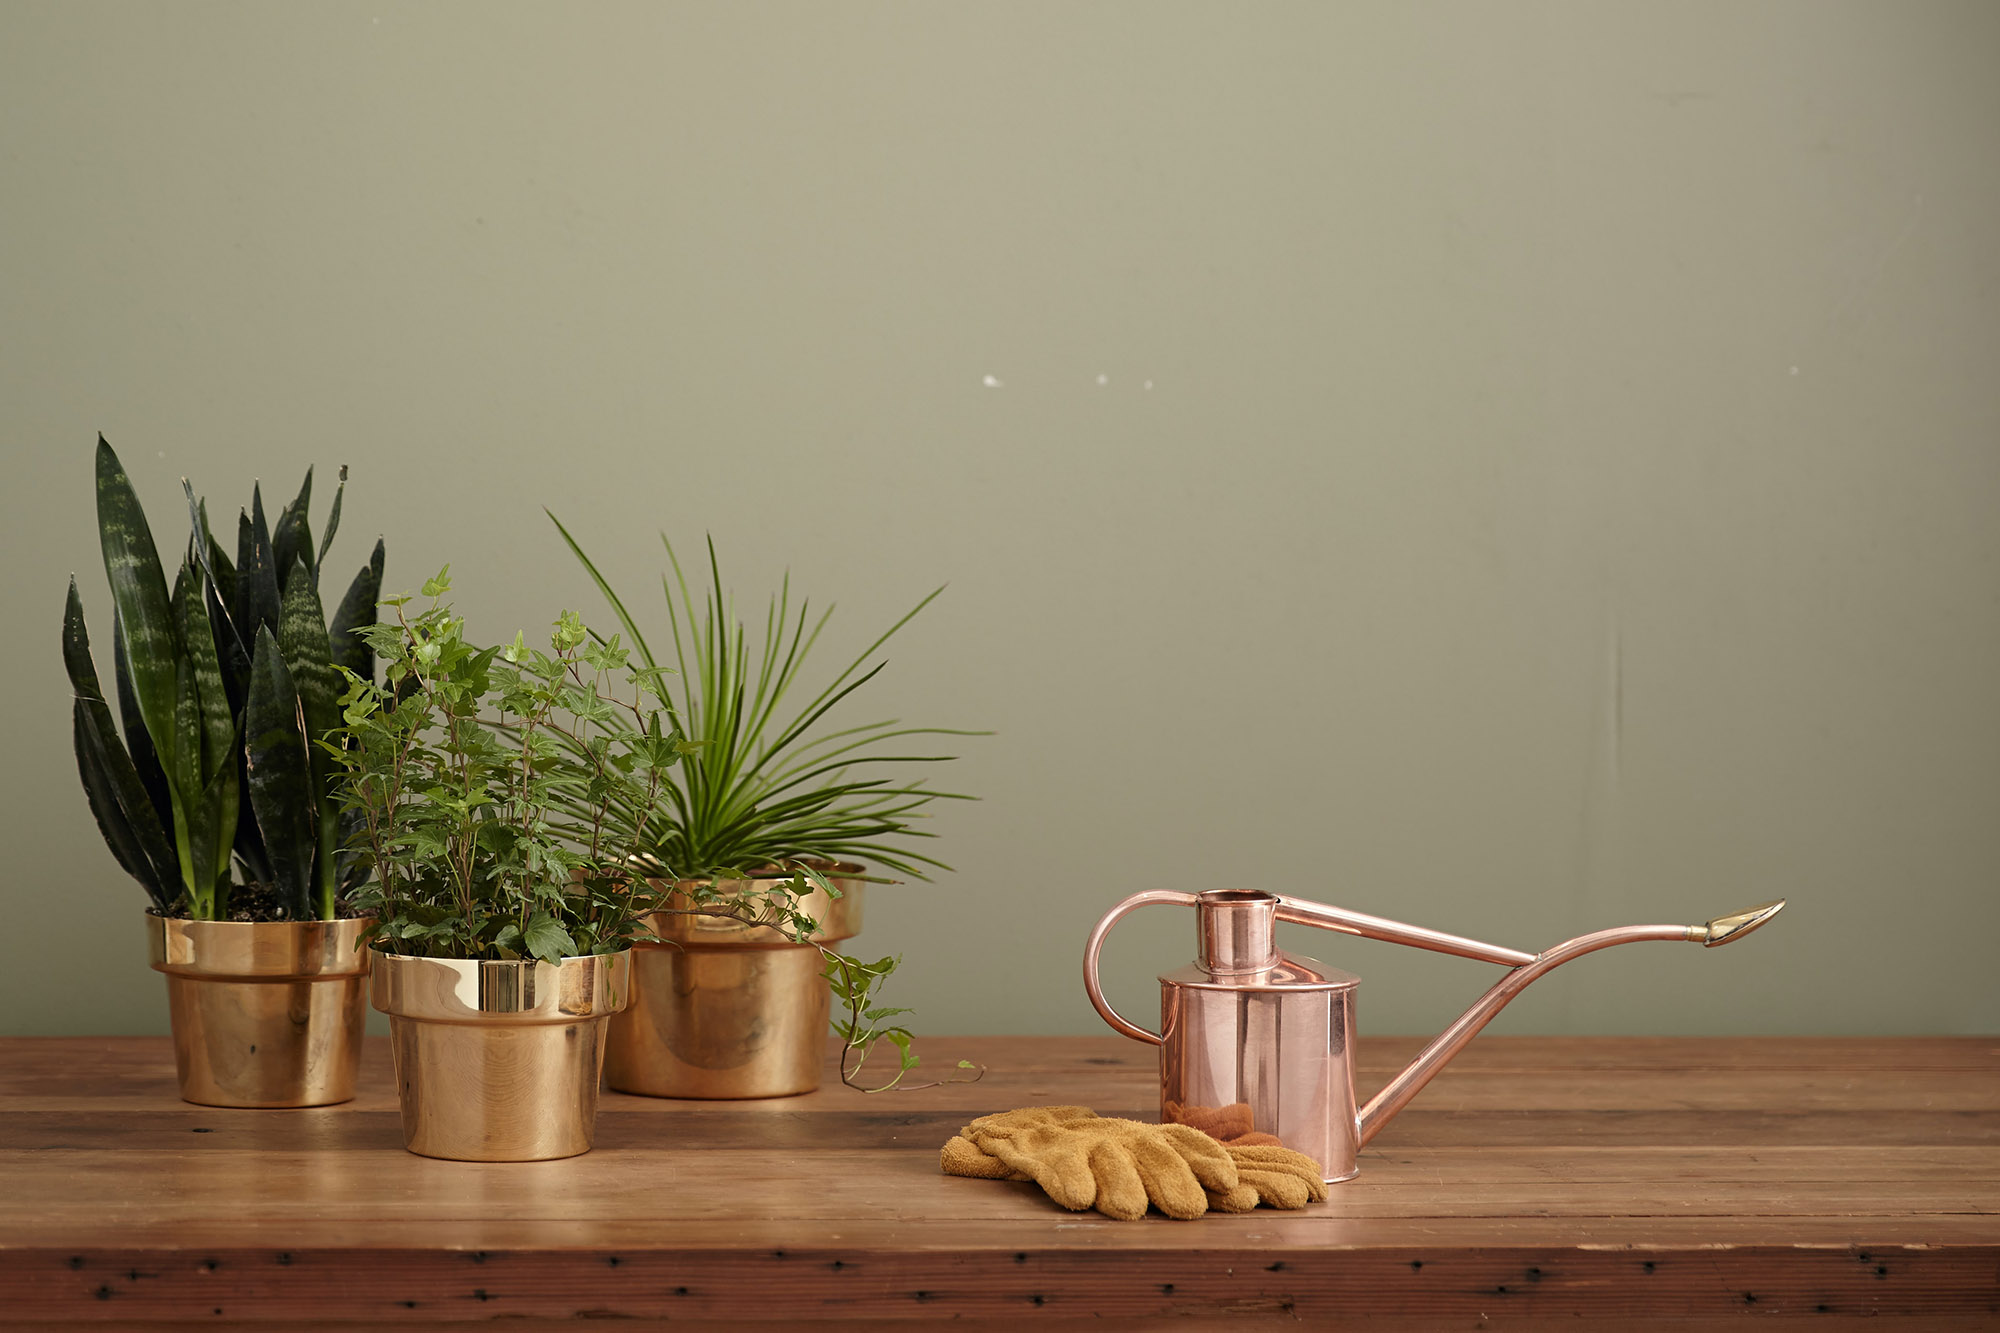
{"points": [[1266, 1173], [1272, 1175], [1083, 1160]]}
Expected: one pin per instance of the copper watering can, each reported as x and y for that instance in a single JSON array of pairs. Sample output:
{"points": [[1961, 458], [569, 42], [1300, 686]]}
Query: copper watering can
{"points": [[1247, 1026]]}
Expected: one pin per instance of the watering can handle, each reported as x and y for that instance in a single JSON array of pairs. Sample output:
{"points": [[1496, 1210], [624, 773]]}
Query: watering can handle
{"points": [[1093, 988]]}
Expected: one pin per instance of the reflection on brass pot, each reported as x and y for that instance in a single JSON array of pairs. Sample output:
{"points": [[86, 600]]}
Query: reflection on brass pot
{"points": [[499, 1061], [725, 1008], [265, 1013]]}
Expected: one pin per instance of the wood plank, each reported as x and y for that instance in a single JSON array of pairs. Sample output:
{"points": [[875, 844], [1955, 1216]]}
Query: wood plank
{"points": [[811, 1282], [1041, 1226], [292, 1186], [1415, 1130], [1239, 1323], [1934, 1153]]}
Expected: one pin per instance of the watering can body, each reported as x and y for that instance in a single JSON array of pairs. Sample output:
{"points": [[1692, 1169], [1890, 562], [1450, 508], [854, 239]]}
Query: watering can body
{"points": [[1253, 1039]]}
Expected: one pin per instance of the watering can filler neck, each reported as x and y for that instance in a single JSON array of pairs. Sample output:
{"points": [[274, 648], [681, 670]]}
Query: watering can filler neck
{"points": [[1269, 1033]]}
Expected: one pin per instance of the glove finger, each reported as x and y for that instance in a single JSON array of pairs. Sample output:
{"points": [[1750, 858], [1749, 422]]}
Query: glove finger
{"points": [[1314, 1185], [1169, 1183], [1210, 1162], [1282, 1160], [1273, 1156], [1239, 1200], [1120, 1192], [1278, 1190], [960, 1157], [1063, 1171]]}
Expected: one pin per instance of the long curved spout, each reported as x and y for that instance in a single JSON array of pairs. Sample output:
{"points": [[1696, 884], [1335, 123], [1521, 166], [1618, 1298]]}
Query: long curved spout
{"points": [[1392, 1098]]}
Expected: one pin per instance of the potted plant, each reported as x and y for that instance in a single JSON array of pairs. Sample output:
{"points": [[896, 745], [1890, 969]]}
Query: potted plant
{"points": [[214, 801], [482, 782], [761, 854]]}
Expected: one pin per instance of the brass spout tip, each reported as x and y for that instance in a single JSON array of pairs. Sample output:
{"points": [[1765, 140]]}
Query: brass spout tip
{"points": [[1736, 925]]}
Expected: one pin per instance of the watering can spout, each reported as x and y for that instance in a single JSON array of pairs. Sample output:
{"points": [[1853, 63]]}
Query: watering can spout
{"points": [[1736, 925], [1397, 1092]]}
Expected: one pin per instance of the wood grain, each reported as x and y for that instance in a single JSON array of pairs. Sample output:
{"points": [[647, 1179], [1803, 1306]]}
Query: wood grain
{"points": [[1599, 1181]]}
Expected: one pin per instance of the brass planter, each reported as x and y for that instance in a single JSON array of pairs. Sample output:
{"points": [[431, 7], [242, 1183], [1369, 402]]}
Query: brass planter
{"points": [[265, 1013], [499, 1061], [723, 1008]]}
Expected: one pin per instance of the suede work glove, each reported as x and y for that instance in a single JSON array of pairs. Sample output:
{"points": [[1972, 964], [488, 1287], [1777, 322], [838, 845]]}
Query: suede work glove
{"points": [[1115, 1166], [1083, 1160]]}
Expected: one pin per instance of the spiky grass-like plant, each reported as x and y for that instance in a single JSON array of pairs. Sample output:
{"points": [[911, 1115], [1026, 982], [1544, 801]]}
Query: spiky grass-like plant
{"points": [[761, 787]]}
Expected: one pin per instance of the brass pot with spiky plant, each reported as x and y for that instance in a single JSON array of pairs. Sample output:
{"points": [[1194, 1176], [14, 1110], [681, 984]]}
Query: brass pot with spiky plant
{"points": [[217, 798], [770, 816]]}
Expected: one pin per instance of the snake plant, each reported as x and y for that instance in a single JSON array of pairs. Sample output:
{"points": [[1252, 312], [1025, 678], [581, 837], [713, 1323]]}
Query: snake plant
{"points": [[224, 679]]}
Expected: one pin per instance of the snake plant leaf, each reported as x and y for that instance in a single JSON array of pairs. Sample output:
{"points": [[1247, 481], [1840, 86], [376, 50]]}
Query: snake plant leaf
{"points": [[218, 727], [132, 827], [139, 593], [208, 556], [138, 744], [303, 641], [210, 818], [280, 775], [256, 600], [220, 571], [121, 834], [307, 646], [351, 864], [182, 760], [249, 846], [213, 816], [356, 611], [191, 831], [290, 538], [332, 523], [232, 650]]}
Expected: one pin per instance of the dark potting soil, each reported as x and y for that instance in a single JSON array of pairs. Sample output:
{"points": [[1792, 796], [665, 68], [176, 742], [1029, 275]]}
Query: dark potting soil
{"points": [[258, 902]]}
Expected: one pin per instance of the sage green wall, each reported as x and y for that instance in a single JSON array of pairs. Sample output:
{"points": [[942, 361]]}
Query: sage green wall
{"points": [[1520, 468]]}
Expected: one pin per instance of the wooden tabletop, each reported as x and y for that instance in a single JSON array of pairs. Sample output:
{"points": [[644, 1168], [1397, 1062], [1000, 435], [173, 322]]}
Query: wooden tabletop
{"points": [[1599, 1181]]}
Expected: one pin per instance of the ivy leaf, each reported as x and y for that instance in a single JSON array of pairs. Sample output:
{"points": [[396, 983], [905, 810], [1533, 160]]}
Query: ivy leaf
{"points": [[547, 940]]}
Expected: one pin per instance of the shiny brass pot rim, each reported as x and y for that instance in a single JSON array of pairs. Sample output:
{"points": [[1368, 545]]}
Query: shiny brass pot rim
{"points": [[839, 918], [502, 992], [258, 950]]}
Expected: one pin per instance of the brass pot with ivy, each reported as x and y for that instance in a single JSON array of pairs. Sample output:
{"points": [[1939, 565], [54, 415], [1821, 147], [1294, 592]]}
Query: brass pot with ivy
{"points": [[771, 815], [216, 797], [480, 781]]}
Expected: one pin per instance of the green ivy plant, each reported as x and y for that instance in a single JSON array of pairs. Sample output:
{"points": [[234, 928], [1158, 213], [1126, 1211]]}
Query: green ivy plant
{"points": [[501, 793], [212, 799], [770, 787]]}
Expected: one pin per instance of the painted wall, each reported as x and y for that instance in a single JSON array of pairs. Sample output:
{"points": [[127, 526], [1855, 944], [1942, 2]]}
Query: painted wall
{"points": [[1519, 468]]}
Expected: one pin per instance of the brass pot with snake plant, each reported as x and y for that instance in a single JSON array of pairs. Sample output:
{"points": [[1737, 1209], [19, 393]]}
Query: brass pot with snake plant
{"points": [[213, 796]]}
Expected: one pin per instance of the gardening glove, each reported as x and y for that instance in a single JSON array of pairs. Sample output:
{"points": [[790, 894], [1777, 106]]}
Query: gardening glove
{"points": [[1270, 1174], [1267, 1172], [1115, 1166]]}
